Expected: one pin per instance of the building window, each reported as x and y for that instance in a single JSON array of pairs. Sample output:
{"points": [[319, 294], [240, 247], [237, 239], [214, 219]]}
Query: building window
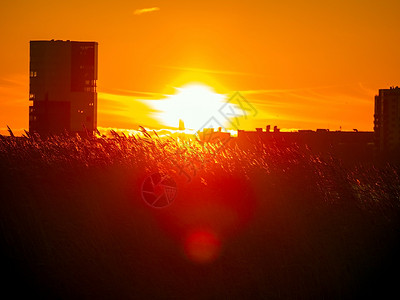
{"points": [[86, 47], [32, 96], [89, 89], [33, 74]]}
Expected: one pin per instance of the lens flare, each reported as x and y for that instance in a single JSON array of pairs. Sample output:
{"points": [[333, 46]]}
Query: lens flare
{"points": [[202, 246]]}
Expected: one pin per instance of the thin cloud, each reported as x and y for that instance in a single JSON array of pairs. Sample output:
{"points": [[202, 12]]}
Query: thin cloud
{"points": [[140, 93], [208, 71], [15, 80], [305, 89], [145, 10]]}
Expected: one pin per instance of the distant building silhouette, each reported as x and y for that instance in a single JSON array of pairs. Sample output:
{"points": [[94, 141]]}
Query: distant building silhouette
{"points": [[181, 125], [211, 136], [348, 145], [387, 121], [63, 77]]}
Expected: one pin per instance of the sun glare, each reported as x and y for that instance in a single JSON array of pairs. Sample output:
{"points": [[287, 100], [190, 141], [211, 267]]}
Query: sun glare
{"points": [[195, 104]]}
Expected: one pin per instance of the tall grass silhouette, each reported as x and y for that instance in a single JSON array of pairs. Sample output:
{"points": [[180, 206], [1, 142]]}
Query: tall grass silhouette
{"points": [[73, 223]]}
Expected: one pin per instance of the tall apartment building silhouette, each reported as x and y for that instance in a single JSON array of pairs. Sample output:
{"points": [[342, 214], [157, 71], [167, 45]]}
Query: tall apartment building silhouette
{"points": [[387, 121], [62, 86]]}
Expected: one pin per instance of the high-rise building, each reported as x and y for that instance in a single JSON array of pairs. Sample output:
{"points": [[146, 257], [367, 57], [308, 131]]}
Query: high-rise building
{"points": [[63, 77], [387, 121]]}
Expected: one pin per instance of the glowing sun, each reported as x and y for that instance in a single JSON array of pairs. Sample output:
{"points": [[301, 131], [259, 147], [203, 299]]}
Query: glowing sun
{"points": [[194, 104]]}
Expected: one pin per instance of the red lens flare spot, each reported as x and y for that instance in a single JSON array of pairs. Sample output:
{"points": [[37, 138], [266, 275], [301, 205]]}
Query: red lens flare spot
{"points": [[202, 246]]}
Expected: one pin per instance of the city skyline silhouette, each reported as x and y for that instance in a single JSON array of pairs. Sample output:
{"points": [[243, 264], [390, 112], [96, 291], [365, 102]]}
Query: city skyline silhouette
{"points": [[63, 91]]}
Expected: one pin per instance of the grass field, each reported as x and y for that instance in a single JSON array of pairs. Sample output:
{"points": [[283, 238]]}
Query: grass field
{"points": [[270, 222]]}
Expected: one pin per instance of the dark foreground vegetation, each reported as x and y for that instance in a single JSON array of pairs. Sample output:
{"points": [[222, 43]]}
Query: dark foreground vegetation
{"points": [[285, 223]]}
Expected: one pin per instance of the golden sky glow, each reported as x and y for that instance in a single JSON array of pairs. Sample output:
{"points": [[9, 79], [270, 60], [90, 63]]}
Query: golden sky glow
{"points": [[302, 64]]}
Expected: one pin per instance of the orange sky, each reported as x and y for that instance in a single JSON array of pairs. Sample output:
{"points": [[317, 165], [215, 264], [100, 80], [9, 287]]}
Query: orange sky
{"points": [[302, 64]]}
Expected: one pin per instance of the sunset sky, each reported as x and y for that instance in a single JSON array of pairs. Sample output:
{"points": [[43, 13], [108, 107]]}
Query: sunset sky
{"points": [[302, 64]]}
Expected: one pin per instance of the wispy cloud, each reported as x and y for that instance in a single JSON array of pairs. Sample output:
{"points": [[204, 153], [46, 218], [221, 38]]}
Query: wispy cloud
{"points": [[223, 72], [141, 11], [316, 107], [124, 110], [294, 90], [137, 93], [13, 80]]}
